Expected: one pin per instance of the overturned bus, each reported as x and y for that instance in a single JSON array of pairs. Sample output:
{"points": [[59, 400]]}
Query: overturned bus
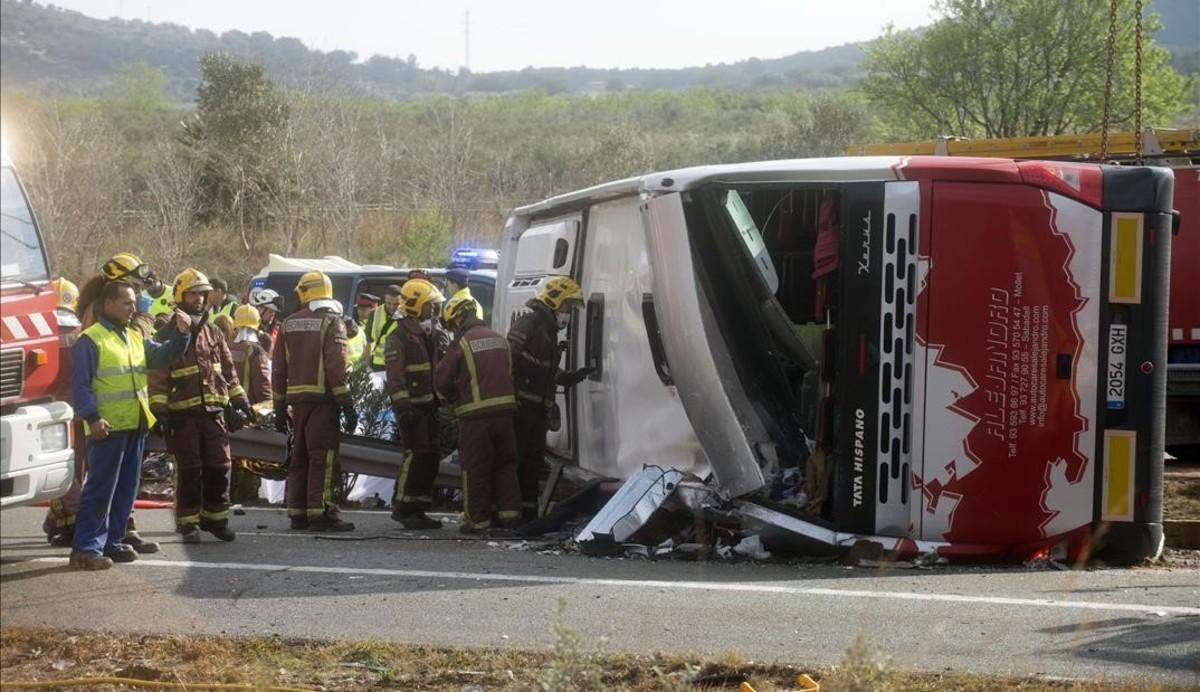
{"points": [[975, 348]]}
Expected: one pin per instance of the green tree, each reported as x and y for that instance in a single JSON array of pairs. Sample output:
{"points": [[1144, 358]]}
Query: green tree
{"points": [[133, 102], [237, 133], [1018, 68]]}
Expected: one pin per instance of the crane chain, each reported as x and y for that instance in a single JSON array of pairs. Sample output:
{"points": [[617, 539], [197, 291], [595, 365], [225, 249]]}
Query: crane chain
{"points": [[1137, 89], [1108, 81]]}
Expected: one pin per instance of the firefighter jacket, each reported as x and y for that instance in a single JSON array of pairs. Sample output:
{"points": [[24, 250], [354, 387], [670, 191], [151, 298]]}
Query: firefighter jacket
{"points": [[380, 326], [253, 370], [533, 339], [202, 380], [309, 360], [409, 366], [476, 373]]}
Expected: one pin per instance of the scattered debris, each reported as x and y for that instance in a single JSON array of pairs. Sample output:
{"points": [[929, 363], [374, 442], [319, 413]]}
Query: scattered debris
{"points": [[629, 510], [752, 547]]}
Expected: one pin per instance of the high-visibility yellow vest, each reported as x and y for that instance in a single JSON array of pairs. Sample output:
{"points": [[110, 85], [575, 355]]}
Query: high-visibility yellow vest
{"points": [[120, 380], [226, 309], [379, 334], [356, 347]]}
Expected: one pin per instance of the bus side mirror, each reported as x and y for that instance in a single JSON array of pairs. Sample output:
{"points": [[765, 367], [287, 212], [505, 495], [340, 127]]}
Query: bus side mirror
{"points": [[1175, 220]]}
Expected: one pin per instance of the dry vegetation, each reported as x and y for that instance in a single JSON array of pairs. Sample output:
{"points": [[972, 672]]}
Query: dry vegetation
{"points": [[48, 657]]}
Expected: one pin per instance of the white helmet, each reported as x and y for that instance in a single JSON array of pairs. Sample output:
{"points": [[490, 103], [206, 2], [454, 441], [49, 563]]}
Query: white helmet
{"points": [[266, 297]]}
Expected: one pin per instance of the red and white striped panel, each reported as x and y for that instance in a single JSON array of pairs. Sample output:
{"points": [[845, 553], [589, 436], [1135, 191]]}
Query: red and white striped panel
{"points": [[32, 326]]}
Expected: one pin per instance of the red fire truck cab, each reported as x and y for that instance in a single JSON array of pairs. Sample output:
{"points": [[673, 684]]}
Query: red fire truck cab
{"points": [[36, 459]]}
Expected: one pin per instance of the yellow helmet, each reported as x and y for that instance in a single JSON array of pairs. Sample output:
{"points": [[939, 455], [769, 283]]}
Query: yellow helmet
{"points": [[415, 294], [246, 316], [314, 285], [560, 291], [459, 304], [125, 265], [189, 280], [67, 292]]}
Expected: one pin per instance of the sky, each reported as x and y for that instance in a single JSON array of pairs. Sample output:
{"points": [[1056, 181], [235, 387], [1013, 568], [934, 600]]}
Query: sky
{"points": [[512, 34]]}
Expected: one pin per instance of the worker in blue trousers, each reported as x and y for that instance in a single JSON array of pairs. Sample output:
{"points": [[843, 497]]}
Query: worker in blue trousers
{"points": [[111, 396]]}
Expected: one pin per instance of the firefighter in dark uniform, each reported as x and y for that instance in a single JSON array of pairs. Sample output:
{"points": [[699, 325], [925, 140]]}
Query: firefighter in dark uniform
{"points": [[533, 339], [409, 359], [249, 356], [190, 400], [309, 374], [475, 376]]}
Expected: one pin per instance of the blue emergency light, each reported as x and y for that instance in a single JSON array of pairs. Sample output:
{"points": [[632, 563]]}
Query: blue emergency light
{"points": [[475, 258]]}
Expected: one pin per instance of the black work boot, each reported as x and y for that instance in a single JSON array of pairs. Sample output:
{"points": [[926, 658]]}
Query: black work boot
{"points": [[64, 539], [191, 534], [299, 523], [329, 523], [221, 530], [417, 520]]}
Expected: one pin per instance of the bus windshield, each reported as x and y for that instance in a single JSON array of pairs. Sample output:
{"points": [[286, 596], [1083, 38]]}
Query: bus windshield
{"points": [[21, 255]]}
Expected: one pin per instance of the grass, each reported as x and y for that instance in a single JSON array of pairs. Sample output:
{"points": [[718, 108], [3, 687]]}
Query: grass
{"points": [[45, 656]]}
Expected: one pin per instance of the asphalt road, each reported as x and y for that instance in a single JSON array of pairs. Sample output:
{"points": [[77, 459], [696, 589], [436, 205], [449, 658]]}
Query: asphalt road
{"points": [[1134, 625]]}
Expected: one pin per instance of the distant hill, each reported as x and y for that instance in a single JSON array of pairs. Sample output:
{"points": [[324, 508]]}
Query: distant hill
{"points": [[53, 50]]}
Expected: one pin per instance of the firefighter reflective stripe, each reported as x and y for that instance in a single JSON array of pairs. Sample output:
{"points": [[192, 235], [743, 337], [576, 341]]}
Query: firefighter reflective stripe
{"points": [[343, 389], [120, 384], [236, 391], [402, 479], [198, 401], [158, 400], [469, 350], [214, 516], [178, 373], [400, 395], [536, 399], [427, 399], [418, 367]]}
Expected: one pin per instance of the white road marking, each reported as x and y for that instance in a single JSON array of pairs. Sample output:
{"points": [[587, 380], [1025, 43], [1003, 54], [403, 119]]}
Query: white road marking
{"points": [[738, 587]]}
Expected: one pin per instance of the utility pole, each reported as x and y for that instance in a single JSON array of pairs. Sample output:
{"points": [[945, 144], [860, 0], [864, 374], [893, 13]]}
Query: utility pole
{"points": [[467, 39]]}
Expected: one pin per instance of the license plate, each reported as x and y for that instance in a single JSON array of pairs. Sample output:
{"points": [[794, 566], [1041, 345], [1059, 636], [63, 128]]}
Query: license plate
{"points": [[1118, 343]]}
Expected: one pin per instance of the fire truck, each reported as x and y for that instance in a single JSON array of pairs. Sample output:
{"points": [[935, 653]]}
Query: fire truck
{"points": [[36, 457], [1176, 149]]}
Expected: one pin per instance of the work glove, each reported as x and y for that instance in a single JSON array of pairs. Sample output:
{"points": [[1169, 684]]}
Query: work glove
{"points": [[570, 379], [247, 409], [281, 419], [349, 419]]}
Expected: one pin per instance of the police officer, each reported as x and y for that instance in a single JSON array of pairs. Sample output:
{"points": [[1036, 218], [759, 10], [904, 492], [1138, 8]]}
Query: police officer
{"points": [[191, 399], [475, 376], [533, 339], [309, 375], [409, 357], [221, 303]]}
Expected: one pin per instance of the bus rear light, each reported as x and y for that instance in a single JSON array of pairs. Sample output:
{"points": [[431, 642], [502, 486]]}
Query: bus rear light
{"points": [[1125, 259]]}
